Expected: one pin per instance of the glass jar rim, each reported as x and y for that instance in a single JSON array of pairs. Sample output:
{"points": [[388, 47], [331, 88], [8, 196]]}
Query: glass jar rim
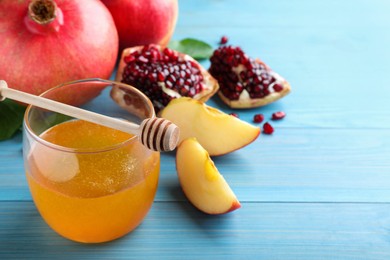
{"points": [[27, 127]]}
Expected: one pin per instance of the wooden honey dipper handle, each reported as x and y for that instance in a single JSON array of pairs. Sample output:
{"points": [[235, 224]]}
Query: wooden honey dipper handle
{"points": [[157, 134]]}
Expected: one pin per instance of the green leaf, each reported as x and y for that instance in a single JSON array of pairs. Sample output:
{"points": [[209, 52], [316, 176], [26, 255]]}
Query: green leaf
{"points": [[11, 118], [57, 118], [197, 49]]}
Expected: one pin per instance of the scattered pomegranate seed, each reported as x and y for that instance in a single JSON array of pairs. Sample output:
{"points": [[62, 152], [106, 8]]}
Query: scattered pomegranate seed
{"points": [[278, 115], [224, 40], [258, 118], [234, 114], [267, 128]]}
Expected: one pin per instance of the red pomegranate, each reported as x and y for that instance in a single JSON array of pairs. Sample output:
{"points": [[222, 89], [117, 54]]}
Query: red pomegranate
{"points": [[245, 82], [142, 22], [48, 42], [164, 74]]}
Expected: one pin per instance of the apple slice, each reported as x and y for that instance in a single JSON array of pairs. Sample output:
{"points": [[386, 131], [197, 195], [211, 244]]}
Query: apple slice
{"points": [[200, 180], [218, 132]]}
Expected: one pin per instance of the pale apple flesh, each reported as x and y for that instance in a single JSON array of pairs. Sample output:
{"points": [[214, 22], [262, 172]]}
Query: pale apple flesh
{"points": [[201, 181], [218, 132]]}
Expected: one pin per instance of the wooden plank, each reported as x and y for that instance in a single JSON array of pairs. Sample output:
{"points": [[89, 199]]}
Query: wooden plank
{"points": [[319, 188], [339, 165], [175, 230], [337, 63], [322, 160], [305, 165]]}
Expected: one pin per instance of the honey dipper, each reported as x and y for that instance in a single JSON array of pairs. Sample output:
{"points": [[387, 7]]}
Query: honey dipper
{"points": [[157, 134]]}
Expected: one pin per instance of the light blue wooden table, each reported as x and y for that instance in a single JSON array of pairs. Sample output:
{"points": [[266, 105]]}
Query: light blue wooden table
{"points": [[318, 188]]}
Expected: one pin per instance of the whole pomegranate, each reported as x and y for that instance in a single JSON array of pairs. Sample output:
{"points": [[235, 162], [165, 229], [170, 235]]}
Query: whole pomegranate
{"points": [[48, 42], [163, 74], [245, 82], [141, 22]]}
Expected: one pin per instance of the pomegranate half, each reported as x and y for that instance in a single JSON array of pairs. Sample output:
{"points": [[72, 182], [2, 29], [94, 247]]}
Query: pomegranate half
{"points": [[163, 74], [48, 42], [245, 82]]}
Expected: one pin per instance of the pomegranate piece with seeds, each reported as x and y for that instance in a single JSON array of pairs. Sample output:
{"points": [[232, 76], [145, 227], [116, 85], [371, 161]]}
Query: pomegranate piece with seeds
{"points": [[163, 74], [245, 82]]}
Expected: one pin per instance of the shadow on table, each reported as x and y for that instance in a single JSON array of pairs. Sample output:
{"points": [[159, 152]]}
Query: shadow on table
{"points": [[205, 222]]}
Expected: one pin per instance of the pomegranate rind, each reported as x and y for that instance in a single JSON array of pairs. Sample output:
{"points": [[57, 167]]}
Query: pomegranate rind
{"points": [[256, 102], [211, 85]]}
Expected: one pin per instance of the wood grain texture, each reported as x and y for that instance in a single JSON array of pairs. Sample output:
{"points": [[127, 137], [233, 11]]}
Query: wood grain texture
{"points": [[175, 230], [337, 62], [294, 164], [303, 165], [318, 188]]}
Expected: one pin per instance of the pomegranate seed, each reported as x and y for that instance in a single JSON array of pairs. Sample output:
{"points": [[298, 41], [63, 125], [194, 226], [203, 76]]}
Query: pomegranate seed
{"points": [[278, 87], [258, 118], [267, 128], [160, 76], [278, 115], [129, 58], [143, 59], [234, 114], [224, 40]]}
